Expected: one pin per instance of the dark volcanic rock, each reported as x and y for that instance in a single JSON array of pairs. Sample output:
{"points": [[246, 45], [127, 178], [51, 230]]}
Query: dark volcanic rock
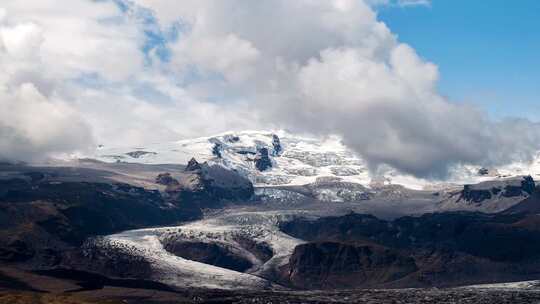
{"points": [[35, 176], [211, 185], [339, 265], [262, 160], [193, 165], [224, 184], [116, 260], [381, 296], [245, 152], [148, 292], [527, 186], [448, 248], [476, 196], [231, 138], [530, 205], [16, 251], [488, 236], [138, 154], [483, 171], [216, 150], [42, 220], [94, 281], [94, 209], [495, 190], [276, 143], [260, 250], [166, 179], [209, 253]]}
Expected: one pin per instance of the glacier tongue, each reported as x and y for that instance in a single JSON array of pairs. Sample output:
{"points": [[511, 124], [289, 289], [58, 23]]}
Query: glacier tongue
{"points": [[174, 270], [291, 159]]}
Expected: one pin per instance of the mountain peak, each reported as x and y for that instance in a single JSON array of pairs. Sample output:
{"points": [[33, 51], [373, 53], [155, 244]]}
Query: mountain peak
{"points": [[193, 165]]}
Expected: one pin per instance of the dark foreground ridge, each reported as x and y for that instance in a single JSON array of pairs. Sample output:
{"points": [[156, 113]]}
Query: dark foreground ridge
{"points": [[62, 286], [77, 287], [114, 295]]}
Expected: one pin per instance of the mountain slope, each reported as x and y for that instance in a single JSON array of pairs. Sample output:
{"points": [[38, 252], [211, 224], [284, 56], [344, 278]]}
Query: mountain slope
{"points": [[281, 158]]}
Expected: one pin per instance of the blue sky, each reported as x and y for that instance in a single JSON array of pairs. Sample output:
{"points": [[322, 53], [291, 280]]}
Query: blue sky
{"points": [[488, 52]]}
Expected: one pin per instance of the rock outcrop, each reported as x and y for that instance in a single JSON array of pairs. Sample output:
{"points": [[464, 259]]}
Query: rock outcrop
{"points": [[490, 196], [209, 253], [476, 195], [276, 144], [208, 185], [138, 154], [193, 165], [340, 265], [511, 188], [216, 150], [262, 160], [166, 179]]}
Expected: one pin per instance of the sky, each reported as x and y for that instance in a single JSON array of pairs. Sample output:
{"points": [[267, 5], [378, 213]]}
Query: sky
{"points": [[417, 85], [487, 51]]}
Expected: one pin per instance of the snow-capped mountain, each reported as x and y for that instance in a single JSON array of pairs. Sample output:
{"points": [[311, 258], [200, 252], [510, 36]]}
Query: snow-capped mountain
{"points": [[281, 158]]}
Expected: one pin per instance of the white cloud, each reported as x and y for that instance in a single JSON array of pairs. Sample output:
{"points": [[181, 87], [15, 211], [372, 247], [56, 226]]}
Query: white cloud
{"points": [[33, 127], [22, 40], [229, 55], [390, 113], [327, 67], [43, 46], [79, 37], [121, 118]]}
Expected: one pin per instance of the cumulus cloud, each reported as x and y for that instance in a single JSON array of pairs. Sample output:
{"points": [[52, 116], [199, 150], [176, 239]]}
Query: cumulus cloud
{"points": [[391, 114], [120, 117], [33, 127], [131, 72], [332, 67], [228, 55], [43, 46]]}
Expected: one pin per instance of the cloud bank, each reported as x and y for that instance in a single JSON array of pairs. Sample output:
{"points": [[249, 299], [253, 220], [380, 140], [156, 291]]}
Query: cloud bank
{"points": [[142, 71]]}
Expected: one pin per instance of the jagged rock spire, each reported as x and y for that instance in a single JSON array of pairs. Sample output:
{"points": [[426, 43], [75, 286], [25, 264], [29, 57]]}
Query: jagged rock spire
{"points": [[262, 160], [193, 165], [276, 143]]}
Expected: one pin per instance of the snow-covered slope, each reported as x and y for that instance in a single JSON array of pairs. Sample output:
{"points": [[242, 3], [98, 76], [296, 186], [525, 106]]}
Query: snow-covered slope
{"points": [[300, 161], [281, 158]]}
